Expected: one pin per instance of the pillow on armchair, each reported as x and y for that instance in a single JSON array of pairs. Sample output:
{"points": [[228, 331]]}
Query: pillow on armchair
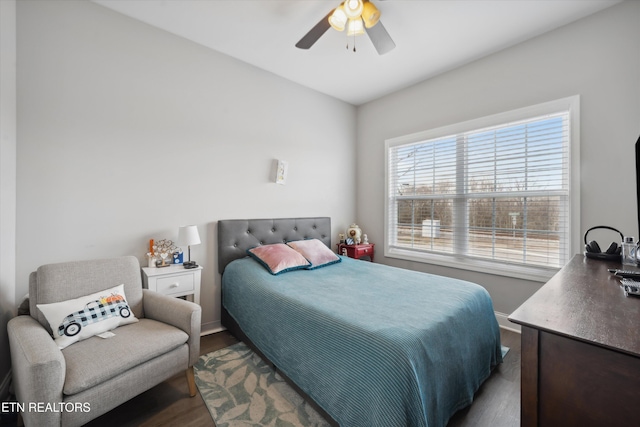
{"points": [[81, 318]]}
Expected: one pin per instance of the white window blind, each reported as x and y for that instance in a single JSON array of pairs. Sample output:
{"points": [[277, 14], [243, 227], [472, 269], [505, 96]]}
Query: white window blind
{"points": [[499, 193]]}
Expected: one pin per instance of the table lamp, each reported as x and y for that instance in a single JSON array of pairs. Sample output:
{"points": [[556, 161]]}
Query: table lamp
{"points": [[187, 236]]}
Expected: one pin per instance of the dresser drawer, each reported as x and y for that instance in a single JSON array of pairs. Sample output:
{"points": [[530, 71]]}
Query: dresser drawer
{"points": [[362, 250], [357, 251], [175, 284]]}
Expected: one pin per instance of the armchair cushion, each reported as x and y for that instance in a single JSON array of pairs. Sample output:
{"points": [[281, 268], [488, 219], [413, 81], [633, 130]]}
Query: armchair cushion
{"points": [[81, 318], [182, 314], [96, 360]]}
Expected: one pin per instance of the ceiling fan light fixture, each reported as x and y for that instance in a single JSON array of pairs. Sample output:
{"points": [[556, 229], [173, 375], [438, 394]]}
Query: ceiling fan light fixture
{"points": [[338, 19], [355, 28], [353, 8], [370, 14]]}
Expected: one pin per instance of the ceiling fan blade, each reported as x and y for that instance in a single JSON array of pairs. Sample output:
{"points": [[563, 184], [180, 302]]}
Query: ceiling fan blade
{"points": [[380, 38], [315, 33]]}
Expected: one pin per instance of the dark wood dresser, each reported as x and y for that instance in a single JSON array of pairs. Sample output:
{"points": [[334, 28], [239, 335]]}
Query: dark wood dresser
{"points": [[580, 349]]}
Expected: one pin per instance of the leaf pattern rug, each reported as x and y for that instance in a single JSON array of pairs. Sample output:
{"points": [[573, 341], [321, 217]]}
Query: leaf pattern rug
{"points": [[504, 350], [240, 390]]}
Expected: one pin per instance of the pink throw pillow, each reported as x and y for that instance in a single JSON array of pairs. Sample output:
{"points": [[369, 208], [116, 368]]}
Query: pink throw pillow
{"points": [[278, 258], [316, 252]]}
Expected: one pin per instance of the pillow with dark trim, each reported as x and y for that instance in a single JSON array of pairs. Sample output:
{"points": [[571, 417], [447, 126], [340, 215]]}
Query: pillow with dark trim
{"points": [[278, 258], [316, 252], [81, 318]]}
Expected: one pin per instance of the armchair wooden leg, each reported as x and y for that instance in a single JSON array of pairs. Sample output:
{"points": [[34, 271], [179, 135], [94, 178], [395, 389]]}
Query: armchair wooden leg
{"points": [[191, 381]]}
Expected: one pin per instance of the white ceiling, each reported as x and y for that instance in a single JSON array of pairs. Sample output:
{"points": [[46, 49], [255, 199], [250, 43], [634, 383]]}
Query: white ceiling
{"points": [[431, 36]]}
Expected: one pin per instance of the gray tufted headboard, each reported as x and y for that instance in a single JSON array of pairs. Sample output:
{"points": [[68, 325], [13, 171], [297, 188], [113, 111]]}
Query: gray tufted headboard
{"points": [[235, 236]]}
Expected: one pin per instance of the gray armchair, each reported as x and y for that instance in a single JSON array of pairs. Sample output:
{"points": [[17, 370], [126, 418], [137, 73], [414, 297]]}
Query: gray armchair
{"points": [[91, 377]]}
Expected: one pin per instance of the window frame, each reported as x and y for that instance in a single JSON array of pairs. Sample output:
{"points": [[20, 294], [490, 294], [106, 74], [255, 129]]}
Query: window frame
{"points": [[530, 272]]}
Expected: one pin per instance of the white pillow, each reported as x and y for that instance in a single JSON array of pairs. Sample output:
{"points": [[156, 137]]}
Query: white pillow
{"points": [[81, 318]]}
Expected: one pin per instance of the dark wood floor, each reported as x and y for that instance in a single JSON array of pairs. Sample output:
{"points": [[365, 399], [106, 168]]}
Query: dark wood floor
{"points": [[496, 404]]}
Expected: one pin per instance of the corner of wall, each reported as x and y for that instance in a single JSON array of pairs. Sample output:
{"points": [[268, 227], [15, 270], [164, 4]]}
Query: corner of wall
{"points": [[8, 124]]}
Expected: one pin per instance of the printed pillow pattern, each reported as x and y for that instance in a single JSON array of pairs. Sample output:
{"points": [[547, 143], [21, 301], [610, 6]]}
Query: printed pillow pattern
{"points": [[81, 318], [278, 258], [316, 252]]}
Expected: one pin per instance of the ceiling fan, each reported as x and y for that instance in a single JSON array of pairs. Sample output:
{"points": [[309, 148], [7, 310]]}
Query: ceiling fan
{"points": [[357, 16]]}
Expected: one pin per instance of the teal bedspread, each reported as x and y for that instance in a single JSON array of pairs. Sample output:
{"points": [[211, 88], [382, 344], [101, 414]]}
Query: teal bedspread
{"points": [[371, 344]]}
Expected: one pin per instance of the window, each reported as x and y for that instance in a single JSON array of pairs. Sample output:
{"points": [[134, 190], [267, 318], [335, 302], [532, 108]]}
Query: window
{"points": [[493, 194]]}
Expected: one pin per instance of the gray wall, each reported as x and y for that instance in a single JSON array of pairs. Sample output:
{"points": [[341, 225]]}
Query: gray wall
{"points": [[597, 58], [8, 124], [127, 132]]}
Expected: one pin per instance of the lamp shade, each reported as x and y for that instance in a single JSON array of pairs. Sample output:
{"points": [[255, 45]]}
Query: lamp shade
{"points": [[355, 27], [353, 8], [188, 236], [370, 14], [338, 19]]}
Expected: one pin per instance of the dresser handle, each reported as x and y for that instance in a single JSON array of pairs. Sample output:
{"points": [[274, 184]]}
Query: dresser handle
{"points": [[174, 285]]}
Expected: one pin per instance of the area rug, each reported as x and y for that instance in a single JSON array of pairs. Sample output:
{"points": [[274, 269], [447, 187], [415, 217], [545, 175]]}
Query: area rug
{"points": [[504, 350], [239, 389]]}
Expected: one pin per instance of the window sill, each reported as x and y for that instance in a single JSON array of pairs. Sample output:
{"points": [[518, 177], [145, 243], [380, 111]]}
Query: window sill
{"points": [[536, 274]]}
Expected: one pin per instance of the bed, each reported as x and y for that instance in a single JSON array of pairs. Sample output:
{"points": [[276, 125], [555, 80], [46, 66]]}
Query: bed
{"points": [[368, 344]]}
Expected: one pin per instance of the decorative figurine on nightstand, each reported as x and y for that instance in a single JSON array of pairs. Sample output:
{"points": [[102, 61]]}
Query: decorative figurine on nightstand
{"points": [[152, 259], [164, 248], [355, 233], [151, 256], [365, 239], [178, 257]]}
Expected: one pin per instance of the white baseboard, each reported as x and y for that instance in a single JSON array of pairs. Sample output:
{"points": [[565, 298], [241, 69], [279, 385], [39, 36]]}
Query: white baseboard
{"points": [[504, 323], [211, 328]]}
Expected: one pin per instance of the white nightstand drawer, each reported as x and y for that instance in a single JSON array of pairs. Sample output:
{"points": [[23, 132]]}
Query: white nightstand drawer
{"points": [[175, 284], [174, 280]]}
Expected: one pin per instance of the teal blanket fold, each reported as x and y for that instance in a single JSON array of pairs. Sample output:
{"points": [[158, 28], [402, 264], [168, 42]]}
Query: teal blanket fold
{"points": [[373, 345]]}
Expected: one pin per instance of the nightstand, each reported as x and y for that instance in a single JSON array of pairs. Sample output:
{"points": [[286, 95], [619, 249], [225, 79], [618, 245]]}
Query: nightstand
{"points": [[174, 281], [358, 251]]}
